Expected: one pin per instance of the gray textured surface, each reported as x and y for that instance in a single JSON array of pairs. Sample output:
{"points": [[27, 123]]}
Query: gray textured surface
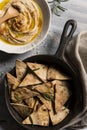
{"points": [[76, 10]]}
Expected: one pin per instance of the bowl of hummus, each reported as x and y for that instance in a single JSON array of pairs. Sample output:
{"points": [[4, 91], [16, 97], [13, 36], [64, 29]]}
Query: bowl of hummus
{"points": [[22, 33]]}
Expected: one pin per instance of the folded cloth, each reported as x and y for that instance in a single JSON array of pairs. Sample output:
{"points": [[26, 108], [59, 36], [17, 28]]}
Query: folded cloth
{"points": [[75, 52]]}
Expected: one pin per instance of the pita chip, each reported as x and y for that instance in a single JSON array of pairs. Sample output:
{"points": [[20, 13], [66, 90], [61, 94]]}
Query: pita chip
{"points": [[41, 117], [21, 69], [21, 94], [30, 79], [47, 103], [44, 88], [22, 110], [30, 102], [56, 74], [12, 81], [39, 69], [60, 116], [62, 94]]}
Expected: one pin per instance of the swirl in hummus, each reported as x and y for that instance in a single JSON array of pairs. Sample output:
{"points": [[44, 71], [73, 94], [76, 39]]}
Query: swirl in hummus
{"points": [[26, 26]]}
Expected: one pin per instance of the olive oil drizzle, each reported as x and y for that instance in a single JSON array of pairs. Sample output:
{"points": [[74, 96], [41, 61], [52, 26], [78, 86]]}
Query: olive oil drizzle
{"points": [[3, 3]]}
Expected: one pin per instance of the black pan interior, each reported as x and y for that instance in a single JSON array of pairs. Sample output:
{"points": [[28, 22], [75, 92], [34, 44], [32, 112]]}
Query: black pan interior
{"points": [[76, 101]]}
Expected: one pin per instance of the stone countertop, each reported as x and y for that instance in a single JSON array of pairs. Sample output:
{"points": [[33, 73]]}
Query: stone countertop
{"points": [[76, 9]]}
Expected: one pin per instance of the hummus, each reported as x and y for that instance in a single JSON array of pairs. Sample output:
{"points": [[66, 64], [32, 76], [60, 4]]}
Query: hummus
{"points": [[26, 26]]}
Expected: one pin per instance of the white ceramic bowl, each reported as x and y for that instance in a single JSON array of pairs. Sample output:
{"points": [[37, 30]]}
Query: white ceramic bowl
{"points": [[8, 48]]}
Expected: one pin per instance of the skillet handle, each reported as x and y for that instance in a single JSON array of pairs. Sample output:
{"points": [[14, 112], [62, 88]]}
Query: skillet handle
{"points": [[66, 36]]}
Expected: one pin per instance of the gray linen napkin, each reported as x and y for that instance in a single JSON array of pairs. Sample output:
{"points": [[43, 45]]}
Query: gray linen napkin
{"points": [[76, 53]]}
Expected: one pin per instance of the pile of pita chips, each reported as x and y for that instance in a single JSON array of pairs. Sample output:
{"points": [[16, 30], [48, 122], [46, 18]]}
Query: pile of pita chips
{"points": [[38, 93]]}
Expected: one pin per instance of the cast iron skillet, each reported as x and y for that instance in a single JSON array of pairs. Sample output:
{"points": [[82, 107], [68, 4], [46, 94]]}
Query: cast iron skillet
{"points": [[76, 102]]}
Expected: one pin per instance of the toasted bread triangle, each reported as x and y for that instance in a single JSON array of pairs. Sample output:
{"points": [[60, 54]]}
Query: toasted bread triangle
{"points": [[41, 117], [30, 79], [39, 69], [62, 94], [21, 69], [22, 109], [12, 81], [61, 114], [56, 74], [21, 94]]}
